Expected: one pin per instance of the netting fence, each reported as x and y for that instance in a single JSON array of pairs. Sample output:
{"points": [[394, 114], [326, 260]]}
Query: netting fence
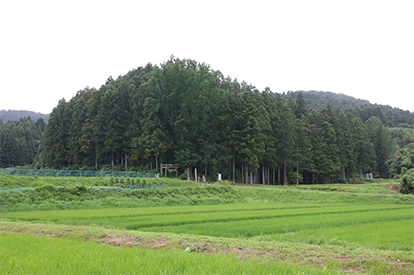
{"points": [[74, 173]]}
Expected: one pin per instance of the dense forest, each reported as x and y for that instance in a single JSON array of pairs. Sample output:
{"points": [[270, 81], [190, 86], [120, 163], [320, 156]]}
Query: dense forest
{"points": [[14, 115], [183, 112], [19, 141]]}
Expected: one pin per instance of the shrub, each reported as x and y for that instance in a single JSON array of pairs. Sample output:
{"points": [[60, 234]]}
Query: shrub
{"points": [[81, 189], [183, 176], [46, 187], [407, 182]]}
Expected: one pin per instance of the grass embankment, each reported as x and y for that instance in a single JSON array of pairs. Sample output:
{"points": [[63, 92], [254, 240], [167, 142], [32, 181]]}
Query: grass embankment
{"points": [[31, 193]]}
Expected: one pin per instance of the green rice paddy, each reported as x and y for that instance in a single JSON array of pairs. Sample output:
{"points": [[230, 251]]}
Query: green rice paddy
{"points": [[22, 254], [321, 229]]}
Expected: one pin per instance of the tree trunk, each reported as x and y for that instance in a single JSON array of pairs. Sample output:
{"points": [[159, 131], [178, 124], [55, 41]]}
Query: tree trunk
{"points": [[297, 176], [187, 171], [126, 162], [263, 175], [246, 173], [257, 176], [284, 174], [112, 161], [228, 174], [243, 172], [156, 162], [268, 175], [234, 168], [278, 175]]}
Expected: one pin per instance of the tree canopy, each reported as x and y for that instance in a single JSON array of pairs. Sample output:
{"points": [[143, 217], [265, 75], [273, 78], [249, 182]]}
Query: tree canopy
{"points": [[186, 113], [19, 141]]}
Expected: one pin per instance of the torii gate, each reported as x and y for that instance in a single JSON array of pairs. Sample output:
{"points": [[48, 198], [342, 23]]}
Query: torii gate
{"points": [[170, 168]]}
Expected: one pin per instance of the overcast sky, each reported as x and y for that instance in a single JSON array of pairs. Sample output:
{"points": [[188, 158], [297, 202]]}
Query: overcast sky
{"points": [[51, 49]]}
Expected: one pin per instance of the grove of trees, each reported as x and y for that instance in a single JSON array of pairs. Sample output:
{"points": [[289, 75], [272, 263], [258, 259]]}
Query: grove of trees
{"points": [[186, 113], [19, 141]]}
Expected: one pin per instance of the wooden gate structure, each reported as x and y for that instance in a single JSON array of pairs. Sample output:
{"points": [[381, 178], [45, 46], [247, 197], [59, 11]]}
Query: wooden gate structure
{"points": [[169, 168]]}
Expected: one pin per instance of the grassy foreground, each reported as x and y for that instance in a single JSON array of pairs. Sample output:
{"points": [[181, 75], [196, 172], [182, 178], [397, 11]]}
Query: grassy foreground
{"points": [[22, 254], [289, 257], [94, 227]]}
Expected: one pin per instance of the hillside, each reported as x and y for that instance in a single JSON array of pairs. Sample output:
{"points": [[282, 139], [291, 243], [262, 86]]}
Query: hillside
{"points": [[185, 113], [391, 117], [14, 115]]}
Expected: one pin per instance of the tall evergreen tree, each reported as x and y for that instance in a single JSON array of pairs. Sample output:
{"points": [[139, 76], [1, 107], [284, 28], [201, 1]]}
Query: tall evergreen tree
{"points": [[325, 149], [285, 136], [380, 138], [53, 151], [300, 106], [302, 153], [364, 148]]}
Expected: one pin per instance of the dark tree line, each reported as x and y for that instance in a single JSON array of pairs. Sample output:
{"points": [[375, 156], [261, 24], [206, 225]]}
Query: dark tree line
{"points": [[19, 141], [184, 112]]}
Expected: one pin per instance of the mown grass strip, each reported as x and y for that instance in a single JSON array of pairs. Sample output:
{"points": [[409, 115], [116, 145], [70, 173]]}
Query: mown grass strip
{"points": [[32, 255]]}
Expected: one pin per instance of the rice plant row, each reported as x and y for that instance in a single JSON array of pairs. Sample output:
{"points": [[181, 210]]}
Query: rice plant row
{"points": [[171, 218], [283, 224], [23, 254], [150, 211], [386, 235]]}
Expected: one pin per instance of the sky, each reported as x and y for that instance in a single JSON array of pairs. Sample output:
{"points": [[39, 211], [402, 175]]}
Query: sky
{"points": [[49, 50]]}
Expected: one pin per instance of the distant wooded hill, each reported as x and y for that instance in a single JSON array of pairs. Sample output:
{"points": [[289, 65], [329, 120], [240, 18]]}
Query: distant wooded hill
{"points": [[391, 117], [14, 115], [185, 113]]}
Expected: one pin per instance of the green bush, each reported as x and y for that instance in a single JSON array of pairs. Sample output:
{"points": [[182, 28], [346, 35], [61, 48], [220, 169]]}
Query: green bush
{"points": [[46, 187], [183, 176], [407, 182]]}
